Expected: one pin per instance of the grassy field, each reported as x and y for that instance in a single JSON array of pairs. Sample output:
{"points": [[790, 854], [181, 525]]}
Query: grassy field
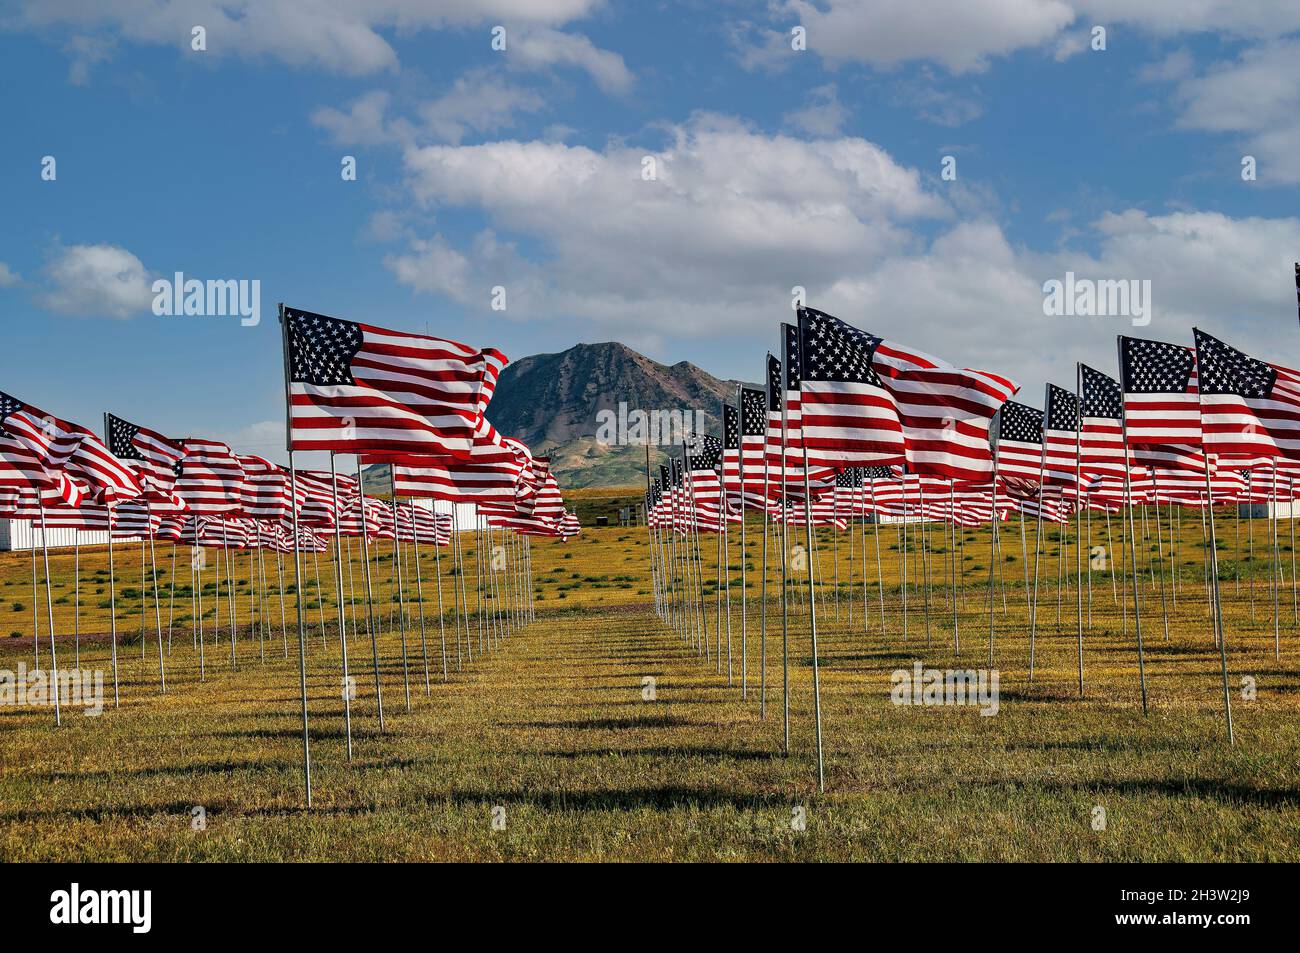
{"points": [[550, 735]]}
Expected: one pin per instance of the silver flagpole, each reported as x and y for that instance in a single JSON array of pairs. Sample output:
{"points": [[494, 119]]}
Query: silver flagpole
{"points": [[297, 561], [785, 549], [171, 598], [112, 605], [1078, 512], [419, 596], [348, 688], [880, 576], [230, 583], [401, 599], [762, 631], [1218, 606], [442, 617], [302, 633], [1038, 544], [812, 612], [370, 601], [157, 606], [36, 603], [1132, 537], [744, 557], [77, 597], [49, 608]]}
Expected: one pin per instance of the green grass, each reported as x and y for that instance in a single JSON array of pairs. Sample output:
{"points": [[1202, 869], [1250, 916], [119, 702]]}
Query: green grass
{"points": [[551, 724]]}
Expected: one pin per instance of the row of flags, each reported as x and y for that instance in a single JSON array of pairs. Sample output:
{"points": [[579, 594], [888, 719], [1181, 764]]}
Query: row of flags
{"points": [[413, 402], [850, 424]]}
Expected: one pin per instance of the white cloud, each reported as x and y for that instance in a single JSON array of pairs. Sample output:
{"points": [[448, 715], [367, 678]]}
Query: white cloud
{"points": [[823, 115], [8, 277], [336, 35], [959, 34], [363, 123], [963, 35], [734, 218], [535, 48], [1256, 96], [97, 280], [479, 101]]}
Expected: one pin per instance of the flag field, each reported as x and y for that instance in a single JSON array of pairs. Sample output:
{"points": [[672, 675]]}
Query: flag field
{"points": [[549, 747]]}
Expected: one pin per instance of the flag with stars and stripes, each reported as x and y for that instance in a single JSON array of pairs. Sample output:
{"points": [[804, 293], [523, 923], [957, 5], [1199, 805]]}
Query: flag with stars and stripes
{"points": [[847, 417], [731, 454], [703, 464], [64, 447], [945, 411], [1060, 436], [753, 439], [1162, 411], [264, 492], [22, 474], [1248, 407], [1101, 408], [1020, 442], [355, 387], [211, 480], [159, 457]]}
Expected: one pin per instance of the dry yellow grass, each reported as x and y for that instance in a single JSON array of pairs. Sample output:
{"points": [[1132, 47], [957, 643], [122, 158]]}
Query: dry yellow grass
{"points": [[551, 726]]}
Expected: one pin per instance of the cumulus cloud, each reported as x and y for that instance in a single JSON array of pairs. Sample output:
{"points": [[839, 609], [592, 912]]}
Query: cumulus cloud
{"points": [[96, 280], [730, 216], [336, 35], [822, 115], [8, 277], [965, 35], [1256, 96]]}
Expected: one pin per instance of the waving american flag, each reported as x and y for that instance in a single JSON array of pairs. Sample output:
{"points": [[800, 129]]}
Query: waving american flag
{"points": [[355, 387]]}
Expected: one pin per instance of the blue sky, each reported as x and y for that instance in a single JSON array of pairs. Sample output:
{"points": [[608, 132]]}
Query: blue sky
{"points": [[521, 168]]}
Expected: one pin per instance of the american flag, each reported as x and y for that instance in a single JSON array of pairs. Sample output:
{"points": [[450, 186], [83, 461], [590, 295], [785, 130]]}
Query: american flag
{"points": [[1020, 442], [1162, 411], [703, 463], [1060, 435], [159, 457], [776, 400], [1102, 409], [944, 411], [1248, 406], [456, 481], [731, 455], [211, 481], [847, 416], [264, 493], [22, 474], [68, 447], [355, 387], [753, 437]]}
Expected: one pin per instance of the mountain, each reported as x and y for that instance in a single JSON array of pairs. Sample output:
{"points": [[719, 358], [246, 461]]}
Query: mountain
{"points": [[557, 403], [554, 403]]}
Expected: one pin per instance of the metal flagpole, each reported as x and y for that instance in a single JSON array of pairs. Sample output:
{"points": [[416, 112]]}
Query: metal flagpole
{"points": [[744, 558], [1277, 638], [812, 612], [1038, 546], [349, 690], [1078, 513], [419, 598], [1218, 608], [370, 599], [1132, 541], [762, 631], [49, 608], [880, 577], [302, 633], [36, 604], [157, 606], [77, 597], [401, 603], [442, 616], [112, 604], [785, 550], [171, 598]]}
